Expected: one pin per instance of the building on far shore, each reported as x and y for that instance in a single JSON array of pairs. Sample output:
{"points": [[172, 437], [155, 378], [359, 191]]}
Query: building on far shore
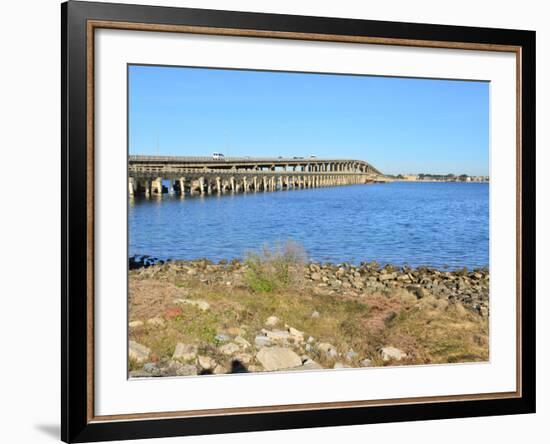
{"points": [[438, 178]]}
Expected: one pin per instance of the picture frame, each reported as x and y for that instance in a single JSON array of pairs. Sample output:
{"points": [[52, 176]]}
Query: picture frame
{"points": [[80, 21]]}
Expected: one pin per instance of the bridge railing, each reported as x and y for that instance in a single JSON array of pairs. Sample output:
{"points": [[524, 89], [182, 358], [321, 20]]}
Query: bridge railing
{"points": [[210, 159], [210, 172], [135, 160]]}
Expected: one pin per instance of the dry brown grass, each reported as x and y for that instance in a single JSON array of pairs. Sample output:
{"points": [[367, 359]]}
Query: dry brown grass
{"points": [[428, 330]]}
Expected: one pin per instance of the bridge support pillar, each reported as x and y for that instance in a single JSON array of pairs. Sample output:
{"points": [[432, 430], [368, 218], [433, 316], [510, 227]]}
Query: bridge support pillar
{"points": [[181, 181], [157, 186], [131, 186], [218, 185], [245, 184], [201, 184]]}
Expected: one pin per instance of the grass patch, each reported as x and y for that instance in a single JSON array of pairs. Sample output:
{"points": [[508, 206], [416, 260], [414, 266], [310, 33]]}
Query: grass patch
{"points": [[274, 268], [445, 335]]}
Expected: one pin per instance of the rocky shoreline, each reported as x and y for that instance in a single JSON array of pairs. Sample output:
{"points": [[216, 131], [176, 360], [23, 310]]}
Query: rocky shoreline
{"points": [[199, 317]]}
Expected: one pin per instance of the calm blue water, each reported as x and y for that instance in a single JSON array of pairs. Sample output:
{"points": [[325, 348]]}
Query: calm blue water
{"points": [[434, 224]]}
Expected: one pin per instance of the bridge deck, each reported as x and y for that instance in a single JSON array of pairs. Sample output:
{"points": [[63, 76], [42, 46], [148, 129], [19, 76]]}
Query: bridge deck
{"points": [[308, 164]]}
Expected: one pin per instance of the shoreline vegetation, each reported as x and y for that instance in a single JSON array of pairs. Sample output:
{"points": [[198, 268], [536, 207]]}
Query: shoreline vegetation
{"points": [[277, 311]]}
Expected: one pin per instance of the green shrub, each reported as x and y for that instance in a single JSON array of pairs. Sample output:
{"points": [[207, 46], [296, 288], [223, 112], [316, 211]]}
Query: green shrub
{"points": [[274, 268]]}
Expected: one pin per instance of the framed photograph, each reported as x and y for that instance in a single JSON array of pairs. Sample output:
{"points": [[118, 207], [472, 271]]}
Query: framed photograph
{"points": [[275, 221]]}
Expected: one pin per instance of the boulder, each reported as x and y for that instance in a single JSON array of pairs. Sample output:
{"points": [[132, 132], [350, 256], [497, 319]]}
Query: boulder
{"points": [[278, 358], [327, 349], [135, 324], [296, 334], [139, 374], [278, 335], [272, 321], [185, 352], [365, 362], [138, 352], [229, 349], [392, 354], [241, 342], [187, 370], [220, 370], [206, 362], [202, 305], [262, 341], [308, 365], [156, 322], [387, 276], [244, 358], [316, 276]]}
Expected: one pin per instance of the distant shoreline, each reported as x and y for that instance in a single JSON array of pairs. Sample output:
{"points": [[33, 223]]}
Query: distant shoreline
{"points": [[440, 181]]}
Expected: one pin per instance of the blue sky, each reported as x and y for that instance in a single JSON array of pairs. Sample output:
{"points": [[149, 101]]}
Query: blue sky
{"points": [[399, 125]]}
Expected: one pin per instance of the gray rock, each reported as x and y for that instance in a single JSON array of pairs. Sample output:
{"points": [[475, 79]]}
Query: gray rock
{"points": [[365, 363], [155, 322], [308, 365], [220, 370], [135, 324], [229, 349], [139, 374], [222, 337], [278, 358], [138, 352], [187, 370], [149, 367], [315, 314], [272, 321], [327, 349], [171, 369], [262, 341], [241, 342], [387, 276], [392, 353], [202, 305], [278, 335], [315, 276], [351, 355], [185, 352], [206, 362], [245, 358], [297, 335]]}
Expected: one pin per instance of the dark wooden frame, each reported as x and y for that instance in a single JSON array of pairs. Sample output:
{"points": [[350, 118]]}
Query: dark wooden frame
{"points": [[79, 19]]}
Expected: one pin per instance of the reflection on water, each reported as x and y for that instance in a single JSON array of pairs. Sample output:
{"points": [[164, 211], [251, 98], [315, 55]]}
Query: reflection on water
{"points": [[433, 224]]}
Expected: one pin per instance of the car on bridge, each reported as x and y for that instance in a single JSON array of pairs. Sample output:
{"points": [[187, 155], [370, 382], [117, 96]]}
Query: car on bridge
{"points": [[218, 156]]}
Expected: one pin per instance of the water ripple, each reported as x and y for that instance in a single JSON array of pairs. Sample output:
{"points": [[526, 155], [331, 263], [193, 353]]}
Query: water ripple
{"points": [[434, 224]]}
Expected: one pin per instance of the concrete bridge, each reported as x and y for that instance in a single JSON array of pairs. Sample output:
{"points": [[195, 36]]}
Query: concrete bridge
{"points": [[205, 175]]}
